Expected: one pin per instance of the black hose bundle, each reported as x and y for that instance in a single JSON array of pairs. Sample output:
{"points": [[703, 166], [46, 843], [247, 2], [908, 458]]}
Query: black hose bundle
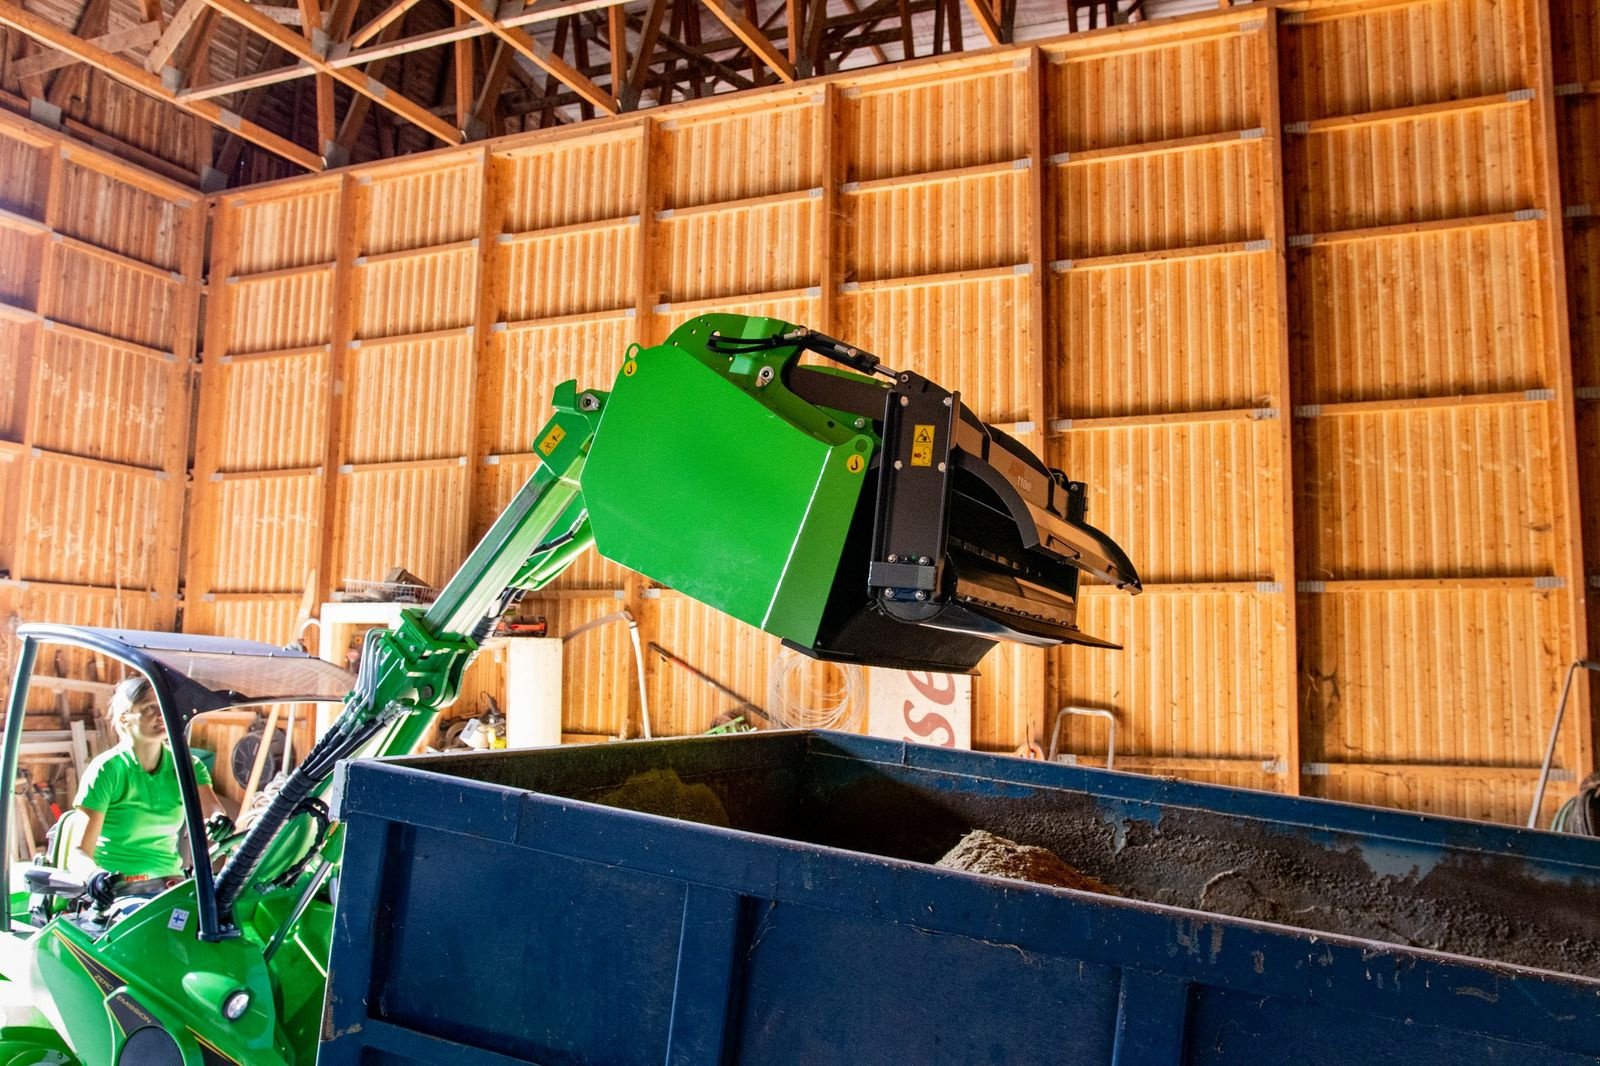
{"points": [[318, 765], [1580, 815], [319, 814]]}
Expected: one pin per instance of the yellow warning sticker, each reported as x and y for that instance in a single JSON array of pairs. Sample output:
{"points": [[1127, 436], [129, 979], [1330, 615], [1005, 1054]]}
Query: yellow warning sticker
{"points": [[922, 445], [551, 439], [855, 464], [629, 368]]}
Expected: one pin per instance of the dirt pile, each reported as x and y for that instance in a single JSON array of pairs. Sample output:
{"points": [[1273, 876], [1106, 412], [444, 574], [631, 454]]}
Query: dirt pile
{"points": [[981, 852], [663, 792]]}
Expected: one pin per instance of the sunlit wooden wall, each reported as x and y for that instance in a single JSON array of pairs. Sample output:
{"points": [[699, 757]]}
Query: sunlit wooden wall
{"points": [[1298, 290], [1575, 28], [1380, 325], [100, 270]]}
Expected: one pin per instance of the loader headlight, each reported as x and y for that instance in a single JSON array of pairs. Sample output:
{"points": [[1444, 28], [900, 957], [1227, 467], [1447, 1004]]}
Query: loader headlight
{"points": [[235, 1005]]}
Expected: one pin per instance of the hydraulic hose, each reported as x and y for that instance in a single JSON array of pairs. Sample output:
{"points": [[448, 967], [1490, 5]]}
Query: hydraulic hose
{"points": [[311, 773]]}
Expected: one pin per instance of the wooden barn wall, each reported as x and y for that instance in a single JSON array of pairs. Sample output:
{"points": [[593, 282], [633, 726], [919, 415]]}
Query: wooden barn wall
{"points": [[100, 271], [1575, 31], [1287, 286], [1438, 548]]}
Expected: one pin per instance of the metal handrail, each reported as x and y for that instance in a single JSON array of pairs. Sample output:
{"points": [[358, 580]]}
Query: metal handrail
{"points": [[638, 657], [1555, 730], [1086, 712]]}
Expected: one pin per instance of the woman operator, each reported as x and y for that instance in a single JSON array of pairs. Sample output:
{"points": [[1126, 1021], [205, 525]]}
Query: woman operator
{"points": [[130, 796]]}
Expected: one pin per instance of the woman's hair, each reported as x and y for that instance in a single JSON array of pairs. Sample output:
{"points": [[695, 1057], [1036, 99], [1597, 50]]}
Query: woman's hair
{"points": [[126, 699]]}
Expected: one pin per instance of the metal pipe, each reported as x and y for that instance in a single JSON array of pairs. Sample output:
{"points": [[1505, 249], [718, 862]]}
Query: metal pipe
{"points": [[638, 663], [638, 656], [1555, 731], [695, 671], [1087, 712], [300, 906], [16, 713]]}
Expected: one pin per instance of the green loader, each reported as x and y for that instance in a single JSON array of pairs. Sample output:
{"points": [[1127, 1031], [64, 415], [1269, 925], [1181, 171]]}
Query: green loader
{"points": [[863, 515]]}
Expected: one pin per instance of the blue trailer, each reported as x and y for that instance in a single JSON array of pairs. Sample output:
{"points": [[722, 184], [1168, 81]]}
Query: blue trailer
{"points": [[771, 898]]}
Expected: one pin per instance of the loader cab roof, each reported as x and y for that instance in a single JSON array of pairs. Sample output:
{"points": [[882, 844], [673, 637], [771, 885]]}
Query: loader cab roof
{"points": [[209, 673]]}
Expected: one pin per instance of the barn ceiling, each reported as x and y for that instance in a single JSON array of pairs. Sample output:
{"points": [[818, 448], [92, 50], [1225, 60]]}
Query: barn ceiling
{"points": [[218, 92]]}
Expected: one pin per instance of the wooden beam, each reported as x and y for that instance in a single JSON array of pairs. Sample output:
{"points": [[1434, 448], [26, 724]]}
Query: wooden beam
{"points": [[181, 382], [752, 16], [350, 126], [115, 42], [484, 109], [547, 117], [311, 24], [378, 22], [700, 59], [986, 20], [193, 58], [580, 53], [66, 84], [814, 61], [329, 536], [200, 567], [617, 41], [539, 55], [183, 21], [44, 31], [758, 42], [1040, 373], [464, 76], [289, 16], [367, 86], [249, 81], [1568, 488], [327, 127], [1279, 453], [484, 341]]}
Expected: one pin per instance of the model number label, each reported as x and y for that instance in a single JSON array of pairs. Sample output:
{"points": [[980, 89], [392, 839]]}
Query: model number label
{"points": [[922, 444]]}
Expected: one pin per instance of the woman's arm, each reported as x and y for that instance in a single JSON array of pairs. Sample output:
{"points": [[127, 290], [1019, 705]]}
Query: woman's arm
{"points": [[80, 860], [209, 803]]}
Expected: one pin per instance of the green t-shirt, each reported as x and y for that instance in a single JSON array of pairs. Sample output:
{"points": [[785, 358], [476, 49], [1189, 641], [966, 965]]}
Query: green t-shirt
{"points": [[143, 811]]}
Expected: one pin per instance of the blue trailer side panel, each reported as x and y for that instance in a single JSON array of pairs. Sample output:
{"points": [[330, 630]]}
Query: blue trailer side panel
{"points": [[493, 912]]}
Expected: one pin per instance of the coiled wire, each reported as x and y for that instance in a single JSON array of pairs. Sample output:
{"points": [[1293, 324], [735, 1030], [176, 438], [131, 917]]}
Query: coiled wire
{"points": [[806, 693]]}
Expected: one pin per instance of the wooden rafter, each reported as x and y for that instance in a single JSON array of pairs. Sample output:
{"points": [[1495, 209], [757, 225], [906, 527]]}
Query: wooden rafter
{"points": [[988, 20], [298, 47], [464, 71], [378, 22], [580, 52], [617, 43], [115, 42], [479, 85], [44, 31], [500, 64], [183, 21], [542, 57], [350, 125], [649, 30], [741, 27], [65, 84]]}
